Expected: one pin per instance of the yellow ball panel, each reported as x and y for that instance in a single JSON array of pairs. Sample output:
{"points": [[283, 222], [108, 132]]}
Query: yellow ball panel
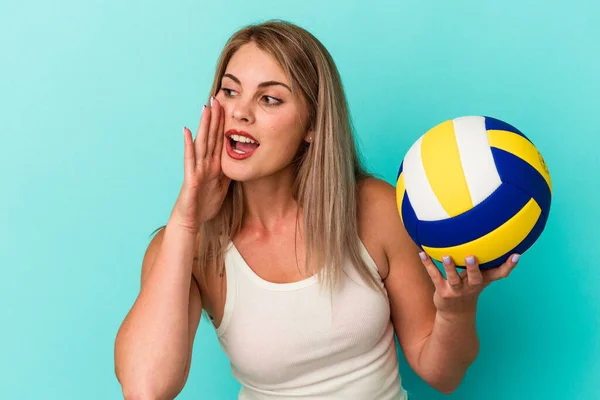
{"points": [[443, 167], [400, 194], [496, 243]]}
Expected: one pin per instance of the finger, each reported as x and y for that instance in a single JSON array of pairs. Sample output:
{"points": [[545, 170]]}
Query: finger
{"points": [[215, 121], [200, 142], [433, 271], [451, 274], [189, 158], [474, 276], [220, 137], [502, 271]]}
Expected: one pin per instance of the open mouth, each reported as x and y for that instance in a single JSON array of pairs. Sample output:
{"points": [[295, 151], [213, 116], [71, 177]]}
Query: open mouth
{"points": [[242, 144]]}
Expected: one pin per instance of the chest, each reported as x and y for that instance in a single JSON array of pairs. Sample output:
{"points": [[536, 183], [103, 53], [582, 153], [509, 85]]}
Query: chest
{"points": [[278, 259], [276, 335]]}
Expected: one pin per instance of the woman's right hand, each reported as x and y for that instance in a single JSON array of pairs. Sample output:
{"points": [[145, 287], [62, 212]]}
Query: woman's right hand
{"points": [[204, 185]]}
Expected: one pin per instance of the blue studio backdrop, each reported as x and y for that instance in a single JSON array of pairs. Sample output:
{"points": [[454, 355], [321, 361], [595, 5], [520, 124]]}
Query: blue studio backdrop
{"points": [[93, 97]]}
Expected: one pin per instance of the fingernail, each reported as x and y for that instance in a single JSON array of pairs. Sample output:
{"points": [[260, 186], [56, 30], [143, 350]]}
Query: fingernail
{"points": [[446, 260], [212, 100], [423, 256], [203, 108], [515, 258], [471, 260]]}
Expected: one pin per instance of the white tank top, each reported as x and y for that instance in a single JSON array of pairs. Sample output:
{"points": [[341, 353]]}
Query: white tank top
{"points": [[291, 340]]}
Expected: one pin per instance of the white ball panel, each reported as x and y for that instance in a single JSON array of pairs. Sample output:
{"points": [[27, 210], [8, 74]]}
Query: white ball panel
{"points": [[476, 157], [424, 201]]}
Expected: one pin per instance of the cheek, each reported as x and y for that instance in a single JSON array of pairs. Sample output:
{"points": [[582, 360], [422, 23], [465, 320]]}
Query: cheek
{"points": [[288, 130], [286, 141]]}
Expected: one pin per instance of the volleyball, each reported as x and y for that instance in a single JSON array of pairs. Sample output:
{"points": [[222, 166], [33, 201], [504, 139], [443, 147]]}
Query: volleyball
{"points": [[474, 185]]}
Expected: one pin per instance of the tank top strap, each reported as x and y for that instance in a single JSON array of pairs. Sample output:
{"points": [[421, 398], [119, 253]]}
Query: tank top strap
{"points": [[231, 289]]}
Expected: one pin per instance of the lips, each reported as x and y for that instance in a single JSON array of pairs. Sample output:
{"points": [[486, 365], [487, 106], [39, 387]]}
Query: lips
{"points": [[240, 148], [231, 132]]}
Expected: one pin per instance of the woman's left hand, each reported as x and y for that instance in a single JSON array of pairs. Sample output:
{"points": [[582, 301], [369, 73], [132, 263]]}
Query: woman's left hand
{"points": [[458, 294]]}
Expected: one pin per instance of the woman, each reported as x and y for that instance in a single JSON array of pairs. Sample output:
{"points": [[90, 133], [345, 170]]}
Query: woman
{"points": [[296, 254]]}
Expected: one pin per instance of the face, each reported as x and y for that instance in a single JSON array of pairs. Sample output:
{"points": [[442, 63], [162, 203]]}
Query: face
{"points": [[264, 123]]}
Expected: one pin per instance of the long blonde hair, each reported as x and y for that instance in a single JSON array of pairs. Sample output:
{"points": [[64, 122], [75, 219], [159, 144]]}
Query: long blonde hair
{"points": [[326, 172]]}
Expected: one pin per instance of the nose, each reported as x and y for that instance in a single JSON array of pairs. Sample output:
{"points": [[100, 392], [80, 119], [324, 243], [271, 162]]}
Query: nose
{"points": [[241, 110]]}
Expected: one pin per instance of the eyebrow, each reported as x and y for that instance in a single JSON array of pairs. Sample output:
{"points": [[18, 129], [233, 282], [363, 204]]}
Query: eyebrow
{"points": [[260, 85]]}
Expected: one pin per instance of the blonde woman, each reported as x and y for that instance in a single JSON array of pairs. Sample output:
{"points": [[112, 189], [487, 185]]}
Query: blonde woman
{"points": [[296, 254]]}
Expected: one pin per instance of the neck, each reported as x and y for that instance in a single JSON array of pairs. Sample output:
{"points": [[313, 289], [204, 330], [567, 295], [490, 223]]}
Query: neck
{"points": [[269, 202]]}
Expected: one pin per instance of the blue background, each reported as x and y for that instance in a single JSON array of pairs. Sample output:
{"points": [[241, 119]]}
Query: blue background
{"points": [[93, 97]]}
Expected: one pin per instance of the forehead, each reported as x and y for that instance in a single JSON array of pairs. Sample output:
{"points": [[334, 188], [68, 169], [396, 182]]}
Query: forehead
{"points": [[251, 66]]}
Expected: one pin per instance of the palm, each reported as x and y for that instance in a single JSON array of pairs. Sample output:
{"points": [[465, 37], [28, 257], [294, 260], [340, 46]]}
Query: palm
{"points": [[205, 185]]}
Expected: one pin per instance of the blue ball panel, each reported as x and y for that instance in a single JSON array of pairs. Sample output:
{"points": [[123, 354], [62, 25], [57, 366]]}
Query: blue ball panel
{"points": [[411, 223], [493, 124], [521, 174], [400, 170], [488, 215]]}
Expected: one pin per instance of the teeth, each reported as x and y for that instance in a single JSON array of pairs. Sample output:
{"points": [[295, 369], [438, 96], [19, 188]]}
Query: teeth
{"points": [[243, 139]]}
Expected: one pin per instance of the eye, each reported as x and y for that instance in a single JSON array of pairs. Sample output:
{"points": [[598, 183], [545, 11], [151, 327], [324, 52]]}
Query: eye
{"points": [[227, 91], [274, 101]]}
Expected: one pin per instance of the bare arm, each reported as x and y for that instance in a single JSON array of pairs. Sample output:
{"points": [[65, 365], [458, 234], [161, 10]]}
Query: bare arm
{"points": [[154, 344], [438, 349]]}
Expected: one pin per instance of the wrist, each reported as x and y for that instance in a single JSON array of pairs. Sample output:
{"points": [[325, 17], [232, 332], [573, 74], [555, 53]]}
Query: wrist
{"points": [[456, 317], [175, 226]]}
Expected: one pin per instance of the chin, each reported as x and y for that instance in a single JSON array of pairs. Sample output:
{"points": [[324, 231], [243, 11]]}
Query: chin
{"points": [[239, 173]]}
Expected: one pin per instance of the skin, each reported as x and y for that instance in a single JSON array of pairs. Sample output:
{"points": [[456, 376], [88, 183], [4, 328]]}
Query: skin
{"points": [[434, 317]]}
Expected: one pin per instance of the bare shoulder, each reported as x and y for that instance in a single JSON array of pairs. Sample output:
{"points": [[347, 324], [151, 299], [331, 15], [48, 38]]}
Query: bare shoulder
{"points": [[375, 196], [377, 219], [379, 210]]}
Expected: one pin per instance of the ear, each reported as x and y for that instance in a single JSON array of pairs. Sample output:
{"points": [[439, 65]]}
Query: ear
{"points": [[309, 136]]}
